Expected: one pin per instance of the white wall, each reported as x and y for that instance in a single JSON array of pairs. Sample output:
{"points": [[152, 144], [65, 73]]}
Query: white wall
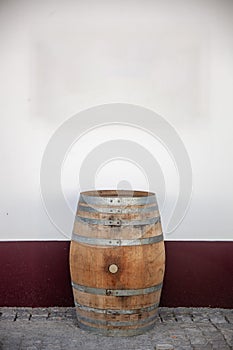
{"points": [[58, 58]]}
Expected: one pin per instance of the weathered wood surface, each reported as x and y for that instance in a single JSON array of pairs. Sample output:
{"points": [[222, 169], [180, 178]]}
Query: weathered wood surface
{"points": [[134, 267]]}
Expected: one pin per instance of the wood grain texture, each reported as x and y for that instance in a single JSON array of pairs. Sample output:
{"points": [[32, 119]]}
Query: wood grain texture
{"points": [[138, 267]]}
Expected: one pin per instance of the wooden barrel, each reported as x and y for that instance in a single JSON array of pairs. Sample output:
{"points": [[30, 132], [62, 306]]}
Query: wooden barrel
{"points": [[117, 261]]}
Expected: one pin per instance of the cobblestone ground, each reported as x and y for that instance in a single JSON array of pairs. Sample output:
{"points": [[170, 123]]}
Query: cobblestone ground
{"points": [[56, 328]]}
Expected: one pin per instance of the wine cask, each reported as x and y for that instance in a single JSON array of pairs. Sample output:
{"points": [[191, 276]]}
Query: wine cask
{"points": [[117, 261]]}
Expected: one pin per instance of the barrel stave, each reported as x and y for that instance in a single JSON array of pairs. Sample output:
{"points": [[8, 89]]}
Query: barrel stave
{"points": [[117, 262]]}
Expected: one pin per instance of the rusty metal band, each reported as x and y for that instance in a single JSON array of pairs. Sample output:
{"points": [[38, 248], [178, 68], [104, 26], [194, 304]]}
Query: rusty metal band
{"points": [[116, 292], [116, 332], [116, 323], [110, 210], [116, 242], [117, 200], [118, 222], [116, 312]]}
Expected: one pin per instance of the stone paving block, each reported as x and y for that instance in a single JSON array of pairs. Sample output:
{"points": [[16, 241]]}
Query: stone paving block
{"points": [[228, 336], [23, 314], [184, 318], [180, 310], [229, 316], [56, 314], [164, 347], [166, 316], [39, 314], [29, 346], [202, 347], [206, 327], [70, 313], [61, 331], [183, 315], [196, 337], [221, 346], [200, 318], [7, 314], [8, 344], [217, 317]]}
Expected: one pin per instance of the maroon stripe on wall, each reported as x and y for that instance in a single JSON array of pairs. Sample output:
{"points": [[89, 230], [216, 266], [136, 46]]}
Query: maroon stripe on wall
{"points": [[37, 274], [198, 274]]}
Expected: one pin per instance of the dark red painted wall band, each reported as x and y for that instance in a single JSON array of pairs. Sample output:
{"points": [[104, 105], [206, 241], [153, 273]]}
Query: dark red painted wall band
{"points": [[37, 274]]}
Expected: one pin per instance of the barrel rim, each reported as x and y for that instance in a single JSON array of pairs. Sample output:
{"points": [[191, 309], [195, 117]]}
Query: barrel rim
{"points": [[117, 193]]}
